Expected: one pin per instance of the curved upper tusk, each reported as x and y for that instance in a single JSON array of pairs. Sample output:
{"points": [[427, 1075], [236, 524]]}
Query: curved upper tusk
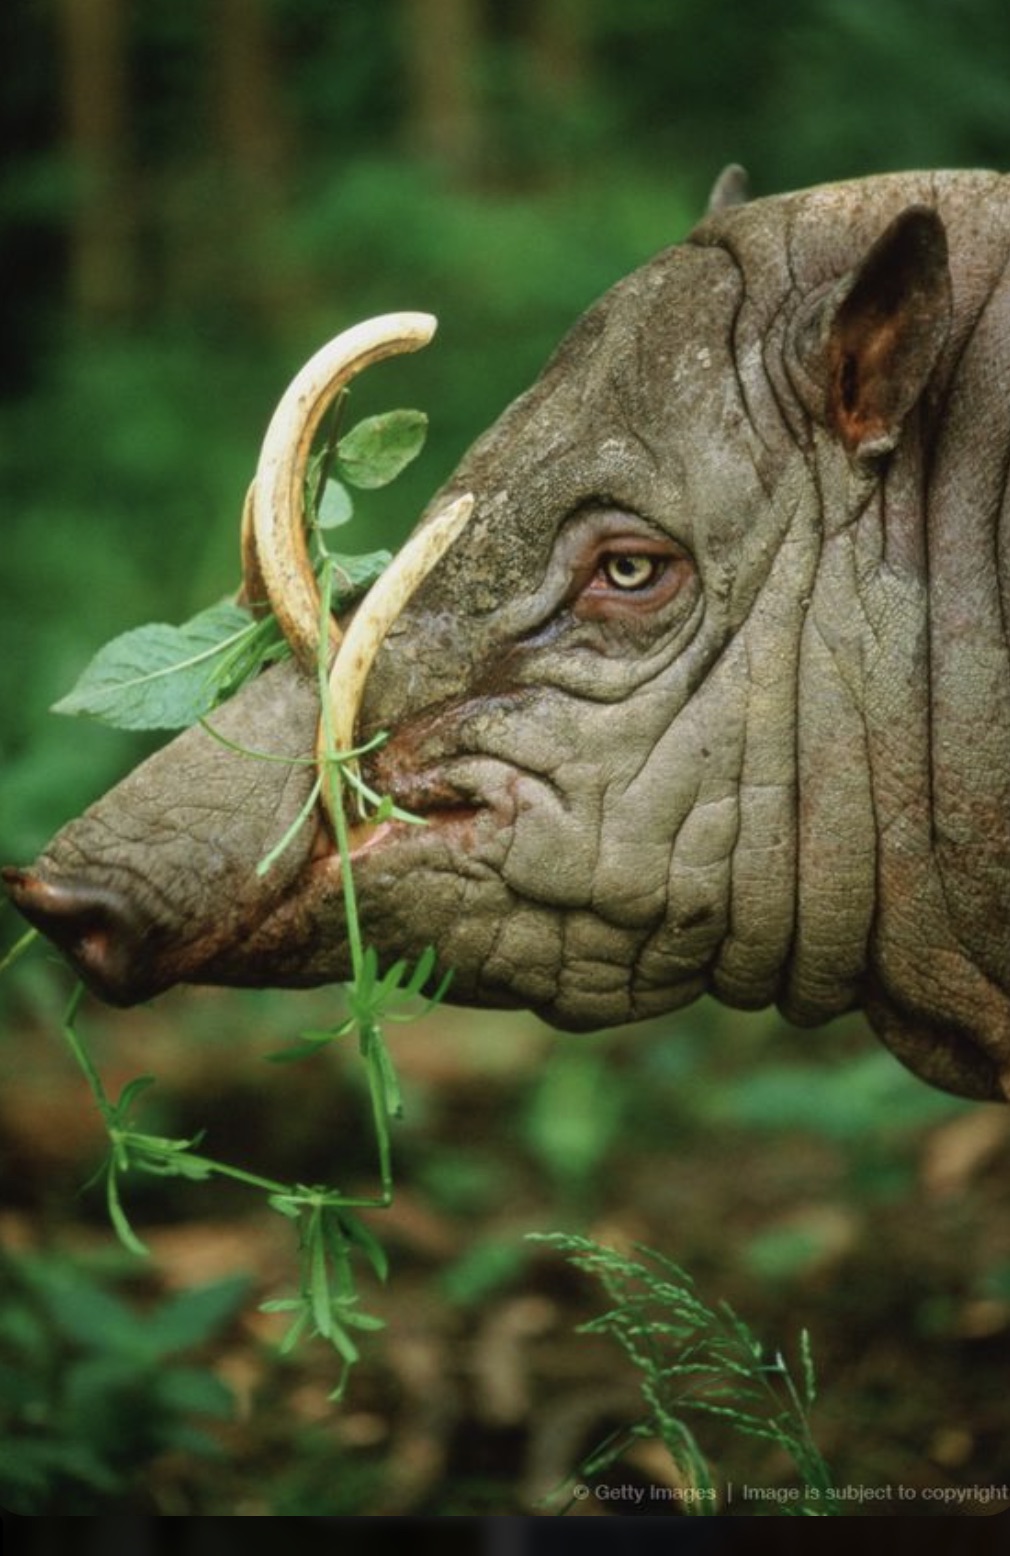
{"points": [[277, 519], [253, 593]]}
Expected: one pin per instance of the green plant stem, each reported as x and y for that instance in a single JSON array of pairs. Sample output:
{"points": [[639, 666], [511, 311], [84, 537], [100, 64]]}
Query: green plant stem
{"points": [[332, 779], [220, 1169], [83, 1058], [18, 949], [329, 452], [126, 1141], [312, 799], [371, 1036], [371, 1039]]}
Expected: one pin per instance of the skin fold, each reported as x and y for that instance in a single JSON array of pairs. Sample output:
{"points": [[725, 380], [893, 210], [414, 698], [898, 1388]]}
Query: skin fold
{"points": [[712, 694]]}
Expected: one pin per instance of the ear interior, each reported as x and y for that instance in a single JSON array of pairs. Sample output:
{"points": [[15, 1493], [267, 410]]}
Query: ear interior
{"points": [[886, 326]]}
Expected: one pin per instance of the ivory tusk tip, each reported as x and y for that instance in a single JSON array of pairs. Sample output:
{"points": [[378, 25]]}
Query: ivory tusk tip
{"points": [[411, 329], [453, 517]]}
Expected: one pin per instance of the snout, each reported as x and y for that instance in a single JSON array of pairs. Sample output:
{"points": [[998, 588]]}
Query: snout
{"points": [[100, 932]]}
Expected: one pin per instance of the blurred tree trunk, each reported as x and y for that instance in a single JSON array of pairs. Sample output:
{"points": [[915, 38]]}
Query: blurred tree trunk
{"points": [[442, 55], [558, 45], [253, 137], [103, 256], [253, 134]]}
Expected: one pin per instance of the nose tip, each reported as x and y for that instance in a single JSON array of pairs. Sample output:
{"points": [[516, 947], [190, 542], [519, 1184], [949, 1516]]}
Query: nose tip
{"points": [[92, 925]]}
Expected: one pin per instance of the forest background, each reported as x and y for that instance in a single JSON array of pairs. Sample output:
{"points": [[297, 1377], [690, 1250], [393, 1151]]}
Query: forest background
{"points": [[193, 197]]}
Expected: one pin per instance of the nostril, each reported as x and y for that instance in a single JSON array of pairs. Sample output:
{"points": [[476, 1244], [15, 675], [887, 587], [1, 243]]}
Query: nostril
{"points": [[64, 910], [92, 925]]}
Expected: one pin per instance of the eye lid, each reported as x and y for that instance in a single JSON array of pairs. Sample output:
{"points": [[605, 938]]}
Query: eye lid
{"points": [[609, 534], [599, 594], [603, 522], [590, 541]]}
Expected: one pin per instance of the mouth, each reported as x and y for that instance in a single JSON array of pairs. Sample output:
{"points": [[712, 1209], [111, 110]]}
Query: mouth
{"points": [[438, 796], [429, 813], [409, 806]]}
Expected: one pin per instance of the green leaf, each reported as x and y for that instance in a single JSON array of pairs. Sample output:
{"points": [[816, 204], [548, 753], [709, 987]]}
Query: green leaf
{"points": [[422, 972], [163, 677], [336, 1396], [342, 1343], [319, 1288], [370, 1246], [286, 1204], [317, 1040], [164, 1157], [335, 506], [375, 451], [130, 1092], [194, 1315], [389, 983], [117, 1215], [305, 1047], [82, 1310], [353, 575], [294, 1333], [350, 1317], [177, 1163], [36, 1464], [388, 1079], [186, 1390]]}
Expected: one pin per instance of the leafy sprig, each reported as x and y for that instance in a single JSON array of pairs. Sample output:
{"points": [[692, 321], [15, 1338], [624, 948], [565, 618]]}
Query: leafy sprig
{"points": [[164, 677], [326, 1303], [168, 677]]}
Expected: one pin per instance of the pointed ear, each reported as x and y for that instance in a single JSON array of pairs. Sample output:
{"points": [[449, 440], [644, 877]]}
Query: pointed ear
{"points": [[730, 188], [873, 342]]}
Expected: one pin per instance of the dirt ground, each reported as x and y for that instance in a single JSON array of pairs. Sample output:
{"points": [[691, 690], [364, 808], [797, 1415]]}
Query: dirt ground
{"points": [[803, 1178]]}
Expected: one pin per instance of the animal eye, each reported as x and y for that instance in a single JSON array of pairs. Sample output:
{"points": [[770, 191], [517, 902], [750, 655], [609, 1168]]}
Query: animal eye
{"points": [[628, 571], [621, 569]]}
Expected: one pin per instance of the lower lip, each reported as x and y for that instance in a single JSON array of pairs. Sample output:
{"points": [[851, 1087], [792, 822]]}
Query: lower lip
{"points": [[366, 836], [360, 840]]}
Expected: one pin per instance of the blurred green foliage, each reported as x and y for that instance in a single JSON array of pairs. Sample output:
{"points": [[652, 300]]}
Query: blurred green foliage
{"points": [[202, 194], [94, 1388]]}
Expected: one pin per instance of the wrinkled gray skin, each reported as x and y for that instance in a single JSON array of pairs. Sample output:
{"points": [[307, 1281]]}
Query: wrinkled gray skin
{"points": [[713, 694]]}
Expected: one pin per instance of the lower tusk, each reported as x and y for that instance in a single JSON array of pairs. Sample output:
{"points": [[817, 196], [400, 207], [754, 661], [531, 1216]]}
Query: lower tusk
{"points": [[373, 619]]}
